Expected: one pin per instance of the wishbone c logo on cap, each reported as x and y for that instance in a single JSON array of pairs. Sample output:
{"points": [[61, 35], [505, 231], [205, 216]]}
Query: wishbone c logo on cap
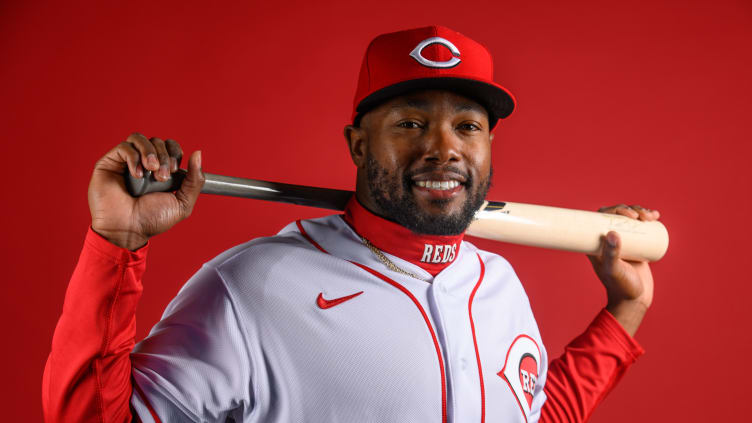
{"points": [[389, 70], [416, 53]]}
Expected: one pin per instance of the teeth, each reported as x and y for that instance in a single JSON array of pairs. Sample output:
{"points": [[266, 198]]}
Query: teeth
{"points": [[439, 185]]}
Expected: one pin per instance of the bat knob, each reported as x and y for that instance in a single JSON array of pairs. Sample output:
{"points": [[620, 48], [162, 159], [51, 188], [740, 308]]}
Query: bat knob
{"points": [[141, 186]]}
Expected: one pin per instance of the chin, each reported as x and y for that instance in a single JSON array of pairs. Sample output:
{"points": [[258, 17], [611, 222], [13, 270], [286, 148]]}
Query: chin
{"points": [[442, 207], [422, 210]]}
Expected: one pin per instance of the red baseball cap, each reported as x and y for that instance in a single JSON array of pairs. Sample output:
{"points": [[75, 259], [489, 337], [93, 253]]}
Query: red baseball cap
{"points": [[433, 57]]}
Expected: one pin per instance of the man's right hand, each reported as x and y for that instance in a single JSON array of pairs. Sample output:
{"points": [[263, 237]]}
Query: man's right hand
{"points": [[129, 222]]}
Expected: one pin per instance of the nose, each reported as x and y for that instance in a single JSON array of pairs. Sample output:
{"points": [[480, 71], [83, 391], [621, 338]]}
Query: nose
{"points": [[442, 146]]}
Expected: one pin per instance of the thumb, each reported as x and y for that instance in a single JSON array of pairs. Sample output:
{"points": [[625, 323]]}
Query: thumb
{"points": [[610, 254], [192, 184]]}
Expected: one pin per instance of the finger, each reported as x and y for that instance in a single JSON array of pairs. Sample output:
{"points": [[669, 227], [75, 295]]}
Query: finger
{"points": [[122, 157], [126, 151], [642, 213], [146, 150], [621, 209], [628, 212], [611, 209], [192, 184], [164, 159], [610, 254], [176, 154], [647, 214]]}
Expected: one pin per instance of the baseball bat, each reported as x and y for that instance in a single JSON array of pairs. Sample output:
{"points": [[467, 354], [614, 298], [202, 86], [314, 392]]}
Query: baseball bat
{"points": [[518, 223]]}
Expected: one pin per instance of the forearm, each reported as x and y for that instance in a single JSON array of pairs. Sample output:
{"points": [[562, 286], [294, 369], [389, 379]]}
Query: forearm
{"points": [[88, 371], [589, 368]]}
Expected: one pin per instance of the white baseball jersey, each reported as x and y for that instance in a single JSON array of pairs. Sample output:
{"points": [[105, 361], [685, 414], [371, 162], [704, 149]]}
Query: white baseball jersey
{"points": [[310, 326]]}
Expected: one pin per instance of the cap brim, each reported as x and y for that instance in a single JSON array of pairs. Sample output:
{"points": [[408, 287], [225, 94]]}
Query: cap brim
{"points": [[494, 98]]}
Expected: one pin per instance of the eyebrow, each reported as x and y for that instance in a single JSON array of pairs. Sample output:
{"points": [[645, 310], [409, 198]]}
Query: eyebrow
{"points": [[469, 107], [421, 104], [414, 103]]}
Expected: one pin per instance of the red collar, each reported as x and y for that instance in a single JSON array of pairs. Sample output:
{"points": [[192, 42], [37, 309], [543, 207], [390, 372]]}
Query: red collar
{"points": [[431, 252]]}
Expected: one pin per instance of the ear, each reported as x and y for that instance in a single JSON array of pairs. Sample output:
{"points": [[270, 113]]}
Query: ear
{"points": [[356, 142], [491, 137]]}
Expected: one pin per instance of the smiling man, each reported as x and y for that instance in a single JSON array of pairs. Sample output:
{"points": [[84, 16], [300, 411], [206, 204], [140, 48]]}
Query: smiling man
{"points": [[424, 161], [382, 314]]}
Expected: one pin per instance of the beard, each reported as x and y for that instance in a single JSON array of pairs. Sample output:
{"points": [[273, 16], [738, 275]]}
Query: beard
{"points": [[403, 209]]}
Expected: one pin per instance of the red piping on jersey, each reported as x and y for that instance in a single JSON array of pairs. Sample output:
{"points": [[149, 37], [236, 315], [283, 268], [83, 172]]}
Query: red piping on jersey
{"points": [[146, 401], [303, 232], [430, 328], [475, 342], [417, 304]]}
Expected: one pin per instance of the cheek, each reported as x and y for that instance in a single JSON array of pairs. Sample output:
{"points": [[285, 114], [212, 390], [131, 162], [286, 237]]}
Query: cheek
{"points": [[394, 157], [480, 160]]}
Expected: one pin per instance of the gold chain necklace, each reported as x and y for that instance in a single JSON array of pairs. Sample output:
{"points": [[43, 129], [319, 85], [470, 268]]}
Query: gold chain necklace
{"points": [[388, 263]]}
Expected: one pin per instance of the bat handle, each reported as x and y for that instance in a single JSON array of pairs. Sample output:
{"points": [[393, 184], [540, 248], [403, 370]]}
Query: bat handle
{"points": [[141, 186]]}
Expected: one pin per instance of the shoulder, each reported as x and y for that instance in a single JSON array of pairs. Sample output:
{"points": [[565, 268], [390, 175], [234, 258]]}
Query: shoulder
{"points": [[258, 248], [286, 251]]}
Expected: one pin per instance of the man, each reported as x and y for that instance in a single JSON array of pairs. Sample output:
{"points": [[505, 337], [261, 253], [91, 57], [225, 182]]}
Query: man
{"points": [[382, 314]]}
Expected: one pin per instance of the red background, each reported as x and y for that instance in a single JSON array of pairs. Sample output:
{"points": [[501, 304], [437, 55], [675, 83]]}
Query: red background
{"points": [[637, 103]]}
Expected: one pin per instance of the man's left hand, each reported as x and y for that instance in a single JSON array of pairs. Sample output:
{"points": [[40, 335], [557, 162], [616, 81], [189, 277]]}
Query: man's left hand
{"points": [[629, 284]]}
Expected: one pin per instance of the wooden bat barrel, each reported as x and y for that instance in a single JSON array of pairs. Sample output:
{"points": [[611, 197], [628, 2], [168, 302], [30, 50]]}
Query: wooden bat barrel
{"points": [[568, 229]]}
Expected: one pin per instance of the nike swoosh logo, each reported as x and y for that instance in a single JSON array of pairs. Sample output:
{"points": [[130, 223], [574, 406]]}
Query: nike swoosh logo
{"points": [[324, 303]]}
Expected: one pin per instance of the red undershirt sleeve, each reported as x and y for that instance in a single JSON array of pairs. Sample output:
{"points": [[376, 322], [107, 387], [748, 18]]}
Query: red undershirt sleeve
{"points": [[87, 377], [587, 370]]}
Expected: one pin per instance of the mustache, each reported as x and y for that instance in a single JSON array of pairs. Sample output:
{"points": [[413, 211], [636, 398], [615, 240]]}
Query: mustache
{"points": [[408, 176]]}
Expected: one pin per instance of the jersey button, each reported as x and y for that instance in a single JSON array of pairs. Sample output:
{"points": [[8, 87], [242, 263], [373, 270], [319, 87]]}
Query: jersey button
{"points": [[443, 288]]}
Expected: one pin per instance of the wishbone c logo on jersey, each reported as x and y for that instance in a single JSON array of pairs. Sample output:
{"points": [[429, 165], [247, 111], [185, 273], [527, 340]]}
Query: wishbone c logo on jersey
{"points": [[521, 370], [417, 53]]}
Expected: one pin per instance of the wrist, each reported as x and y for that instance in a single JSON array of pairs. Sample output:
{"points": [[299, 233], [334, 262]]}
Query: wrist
{"points": [[123, 239], [629, 313]]}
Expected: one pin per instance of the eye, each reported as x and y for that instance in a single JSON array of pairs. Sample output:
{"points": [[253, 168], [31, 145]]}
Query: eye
{"points": [[468, 126], [409, 124]]}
